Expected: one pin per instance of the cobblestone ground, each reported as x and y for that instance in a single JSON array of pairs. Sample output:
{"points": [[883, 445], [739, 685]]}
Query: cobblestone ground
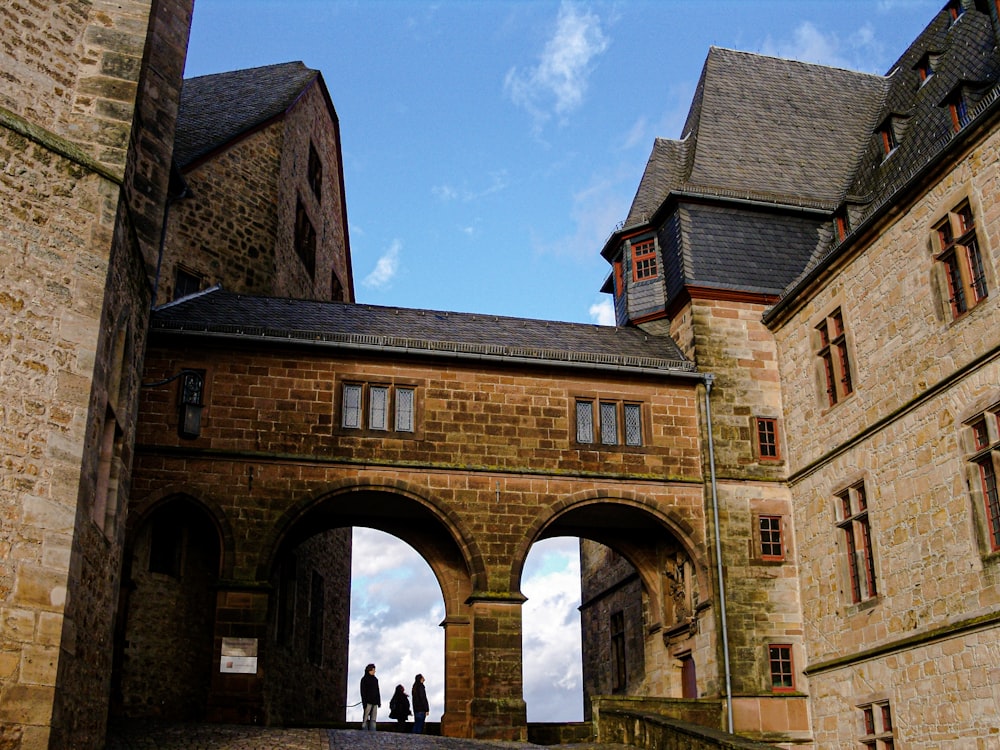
{"points": [[222, 737]]}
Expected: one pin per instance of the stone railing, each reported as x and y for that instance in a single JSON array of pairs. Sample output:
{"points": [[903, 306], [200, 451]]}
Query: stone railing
{"points": [[666, 724]]}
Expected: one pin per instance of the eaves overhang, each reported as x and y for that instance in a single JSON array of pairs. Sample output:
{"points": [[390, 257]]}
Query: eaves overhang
{"points": [[985, 116], [413, 347]]}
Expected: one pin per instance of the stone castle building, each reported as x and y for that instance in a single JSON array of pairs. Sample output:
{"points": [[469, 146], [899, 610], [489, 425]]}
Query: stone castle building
{"points": [[781, 462]]}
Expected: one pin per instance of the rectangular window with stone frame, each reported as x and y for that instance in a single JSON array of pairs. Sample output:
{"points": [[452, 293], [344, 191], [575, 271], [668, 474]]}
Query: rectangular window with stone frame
{"points": [[832, 353], [856, 536], [614, 423], [960, 259], [982, 437], [378, 407], [782, 673], [305, 238], [618, 674], [877, 731]]}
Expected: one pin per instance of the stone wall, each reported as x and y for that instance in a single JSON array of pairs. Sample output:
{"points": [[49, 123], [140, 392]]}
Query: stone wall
{"points": [[224, 235], [236, 226], [491, 464], [902, 435], [74, 304]]}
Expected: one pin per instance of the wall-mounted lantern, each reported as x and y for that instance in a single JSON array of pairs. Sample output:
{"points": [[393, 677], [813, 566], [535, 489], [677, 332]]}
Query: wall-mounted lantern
{"points": [[191, 404]]}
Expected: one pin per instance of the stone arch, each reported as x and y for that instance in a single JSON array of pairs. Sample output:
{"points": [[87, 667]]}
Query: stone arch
{"points": [[141, 512], [464, 552], [164, 635], [679, 527], [433, 529]]}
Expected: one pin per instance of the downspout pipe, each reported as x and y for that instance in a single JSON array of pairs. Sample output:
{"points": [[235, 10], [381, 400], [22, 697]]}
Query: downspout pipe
{"points": [[709, 379]]}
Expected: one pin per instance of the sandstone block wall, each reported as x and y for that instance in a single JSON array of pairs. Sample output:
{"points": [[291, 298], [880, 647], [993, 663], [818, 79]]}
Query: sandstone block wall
{"points": [[74, 307], [919, 375], [491, 463]]}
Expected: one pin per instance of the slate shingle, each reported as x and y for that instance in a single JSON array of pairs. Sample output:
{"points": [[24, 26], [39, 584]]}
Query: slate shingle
{"points": [[215, 109], [221, 313]]}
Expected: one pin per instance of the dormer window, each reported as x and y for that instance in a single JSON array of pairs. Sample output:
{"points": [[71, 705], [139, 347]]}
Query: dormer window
{"points": [[925, 68], [644, 260], [958, 106], [841, 224], [887, 137], [955, 10]]}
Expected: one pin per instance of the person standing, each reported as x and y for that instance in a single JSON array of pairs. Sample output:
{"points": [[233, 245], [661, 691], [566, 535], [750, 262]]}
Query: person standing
{"points": [[420, 705], [399, 707], [370, 698]]}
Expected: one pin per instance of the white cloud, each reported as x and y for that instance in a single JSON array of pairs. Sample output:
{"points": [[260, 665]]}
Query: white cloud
{"points": [[861, 50], [396, 608], [558, 83], [553, 682], [603, 313], [498, 182], [385, 269]]}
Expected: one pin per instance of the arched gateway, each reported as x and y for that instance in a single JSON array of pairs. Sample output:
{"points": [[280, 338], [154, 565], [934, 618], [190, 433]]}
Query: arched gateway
{"points": [[314, 419]]}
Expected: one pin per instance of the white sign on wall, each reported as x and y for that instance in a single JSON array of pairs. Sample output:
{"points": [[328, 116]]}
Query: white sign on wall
{"points": [[239, 655]]}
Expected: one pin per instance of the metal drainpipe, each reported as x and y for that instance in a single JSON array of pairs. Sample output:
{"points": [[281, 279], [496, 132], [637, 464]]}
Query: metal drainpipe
{"points": [[709, 378]]}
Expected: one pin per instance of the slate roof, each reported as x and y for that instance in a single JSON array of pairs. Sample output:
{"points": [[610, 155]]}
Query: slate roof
{"points": [[768, 129], [768, 134], [215, 109], [965, 57], [220, 313], [752, 251]]}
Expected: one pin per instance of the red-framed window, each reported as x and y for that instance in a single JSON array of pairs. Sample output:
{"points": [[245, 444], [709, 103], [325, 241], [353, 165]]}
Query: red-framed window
{"points": [[961, 259], [887, 136], [834, 359], [955, 10], [841, 225], [772, 545], [958, 107], [876, 726], [768, 447], [782, 673], [925, 68], [985, 460], [619, 279], [853, 522], [644, 260]]}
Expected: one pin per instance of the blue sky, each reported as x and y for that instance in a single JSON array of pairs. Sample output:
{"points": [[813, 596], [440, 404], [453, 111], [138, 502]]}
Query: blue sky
{"points": [[489, 150]]}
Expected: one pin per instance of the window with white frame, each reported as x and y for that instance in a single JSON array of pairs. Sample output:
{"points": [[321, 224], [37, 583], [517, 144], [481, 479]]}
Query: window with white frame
{"points": [[377, 407]]}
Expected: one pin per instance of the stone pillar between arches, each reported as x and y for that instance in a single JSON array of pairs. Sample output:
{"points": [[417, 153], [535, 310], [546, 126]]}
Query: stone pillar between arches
{"points": [[455, 721], [497, 710]]}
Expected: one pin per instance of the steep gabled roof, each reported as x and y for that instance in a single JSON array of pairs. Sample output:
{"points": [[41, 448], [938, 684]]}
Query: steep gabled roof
{"points": [[215, 109], [779, 128], [396, 330], [665, 171], [764, 128]]}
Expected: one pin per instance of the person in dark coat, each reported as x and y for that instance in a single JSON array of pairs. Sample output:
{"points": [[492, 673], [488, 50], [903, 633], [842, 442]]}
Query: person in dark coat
{"points": [[399, 706], [370, 698], [420, 705]]}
